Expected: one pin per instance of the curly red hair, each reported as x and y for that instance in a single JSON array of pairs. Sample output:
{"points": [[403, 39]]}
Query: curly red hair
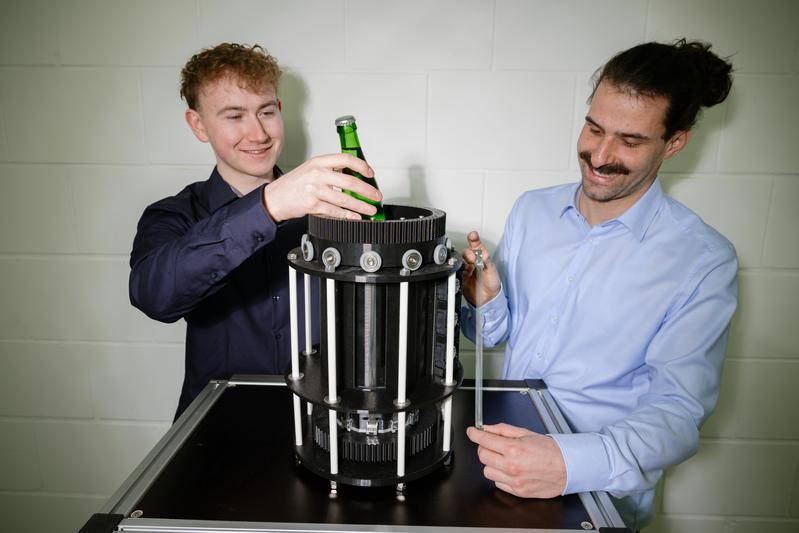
{"points": [[252, 66]]}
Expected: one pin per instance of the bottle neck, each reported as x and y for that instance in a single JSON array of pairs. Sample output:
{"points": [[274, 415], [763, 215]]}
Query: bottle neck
{"points": [[348, 136]]}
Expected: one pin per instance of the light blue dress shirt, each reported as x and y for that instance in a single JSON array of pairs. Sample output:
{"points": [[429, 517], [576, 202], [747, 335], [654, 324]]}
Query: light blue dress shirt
{"points": [[626, 322]]}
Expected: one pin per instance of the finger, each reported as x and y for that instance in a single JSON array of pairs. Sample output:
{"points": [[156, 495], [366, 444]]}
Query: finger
{"points": [[507, 430], [498, 443], [351, 183], [343, 200], [497, 476], [468, 256], [328, 209], [505, 487], [339, 161], [474, 239], [492, 459]]}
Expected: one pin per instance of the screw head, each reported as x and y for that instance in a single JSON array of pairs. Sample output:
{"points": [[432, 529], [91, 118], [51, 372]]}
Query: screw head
{"points": [[412, 259], [371, 261], [331, 257]]}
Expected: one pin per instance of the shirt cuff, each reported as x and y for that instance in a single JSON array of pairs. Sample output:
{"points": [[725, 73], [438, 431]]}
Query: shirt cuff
{"points": [[587, 465], [249, 223]]}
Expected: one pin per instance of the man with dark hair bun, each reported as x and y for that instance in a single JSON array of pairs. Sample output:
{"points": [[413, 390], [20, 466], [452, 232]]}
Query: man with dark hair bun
{"points": [[215, 253], [615, 294]]}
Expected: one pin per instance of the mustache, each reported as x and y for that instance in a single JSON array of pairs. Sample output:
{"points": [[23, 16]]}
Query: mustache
{"points": [[614, 168]]}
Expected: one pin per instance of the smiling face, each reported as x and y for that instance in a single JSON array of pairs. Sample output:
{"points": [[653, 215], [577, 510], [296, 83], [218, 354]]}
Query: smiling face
{"points": [[620, 149], [244, 128]]}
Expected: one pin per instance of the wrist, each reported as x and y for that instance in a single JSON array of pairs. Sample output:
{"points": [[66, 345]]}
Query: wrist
{"points": [[268, 205]]}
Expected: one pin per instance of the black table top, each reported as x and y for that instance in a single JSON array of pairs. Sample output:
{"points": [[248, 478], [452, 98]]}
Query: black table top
{"points": [[238, 465]]}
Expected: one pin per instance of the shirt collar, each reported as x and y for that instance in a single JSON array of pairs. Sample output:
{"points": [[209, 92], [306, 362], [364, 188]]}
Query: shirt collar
{"points": [[639, 217], [220, 193], [636, 219]]}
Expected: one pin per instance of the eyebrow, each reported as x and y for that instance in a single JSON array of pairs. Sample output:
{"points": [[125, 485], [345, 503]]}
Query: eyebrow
{"points": [[636, 136], [240, 109]]}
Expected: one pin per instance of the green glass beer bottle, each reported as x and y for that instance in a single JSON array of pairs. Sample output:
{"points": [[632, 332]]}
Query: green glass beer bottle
{"points": [[348, 135]]}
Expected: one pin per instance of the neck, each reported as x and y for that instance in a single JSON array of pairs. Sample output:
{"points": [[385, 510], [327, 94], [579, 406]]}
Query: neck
{"points": [[597, 212], [245, 184]]}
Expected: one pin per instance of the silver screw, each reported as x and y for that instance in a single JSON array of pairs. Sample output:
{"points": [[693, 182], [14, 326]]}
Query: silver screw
{"points": [[292, 257], [138, 513], [331, 258], [586, 525], [412, 259], [371, 261]]}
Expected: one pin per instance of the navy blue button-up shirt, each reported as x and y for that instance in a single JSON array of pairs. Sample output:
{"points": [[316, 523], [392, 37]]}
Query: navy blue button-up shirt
{"points": [[219, 262]]}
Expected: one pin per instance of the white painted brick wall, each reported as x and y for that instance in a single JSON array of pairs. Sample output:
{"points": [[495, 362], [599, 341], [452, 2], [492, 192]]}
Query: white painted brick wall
{"points": [[463, 105]]}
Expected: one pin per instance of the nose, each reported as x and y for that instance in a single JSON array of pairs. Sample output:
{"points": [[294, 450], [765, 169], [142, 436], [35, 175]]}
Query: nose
{"points": [[602, 154], [256, 132]]}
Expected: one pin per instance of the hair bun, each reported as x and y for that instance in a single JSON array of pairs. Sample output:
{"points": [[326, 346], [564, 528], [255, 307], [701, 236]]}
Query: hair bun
{"points": [[715, 73]]}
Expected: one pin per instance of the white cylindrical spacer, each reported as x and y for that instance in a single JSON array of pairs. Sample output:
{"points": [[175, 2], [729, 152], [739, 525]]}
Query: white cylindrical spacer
{"points": [[450, 330], [447, 424], [295, 347], [403, 344], [297, 422], [401, 444], [331, 422], [307, 294], [331, 341]]}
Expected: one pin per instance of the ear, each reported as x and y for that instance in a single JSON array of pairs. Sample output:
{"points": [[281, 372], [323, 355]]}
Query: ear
{"points": [[677, 142], [195, 122]]}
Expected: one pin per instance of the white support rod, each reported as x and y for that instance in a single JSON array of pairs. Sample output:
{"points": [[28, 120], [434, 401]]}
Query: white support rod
{"points": [[295, 349], [331, 373], [447, 424], [331, 421], [307, 294], [401, 444], [297, 422], [450, 330], [331, 341], [403, 344]]}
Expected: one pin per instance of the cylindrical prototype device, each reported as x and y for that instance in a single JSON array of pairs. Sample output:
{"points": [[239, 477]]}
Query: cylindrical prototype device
{"points": [[378, 387]]}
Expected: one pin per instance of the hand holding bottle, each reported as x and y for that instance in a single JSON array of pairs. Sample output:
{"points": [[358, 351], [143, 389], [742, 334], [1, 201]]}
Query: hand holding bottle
{"points": [[311, 188], [489, 284]]}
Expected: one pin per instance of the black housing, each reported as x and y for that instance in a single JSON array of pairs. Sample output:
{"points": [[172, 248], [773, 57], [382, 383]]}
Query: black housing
{"points": [[367, 315]]}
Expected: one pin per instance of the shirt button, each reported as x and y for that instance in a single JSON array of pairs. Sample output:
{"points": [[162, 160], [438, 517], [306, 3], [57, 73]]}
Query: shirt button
{"points": [[214, 275], [278, 336], [554, 319], [276, 298], [258, 237], [539, 355], [571, 279]]}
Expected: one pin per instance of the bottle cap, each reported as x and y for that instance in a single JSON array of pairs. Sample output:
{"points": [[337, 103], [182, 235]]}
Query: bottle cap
{"points": [[345, 120]]}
